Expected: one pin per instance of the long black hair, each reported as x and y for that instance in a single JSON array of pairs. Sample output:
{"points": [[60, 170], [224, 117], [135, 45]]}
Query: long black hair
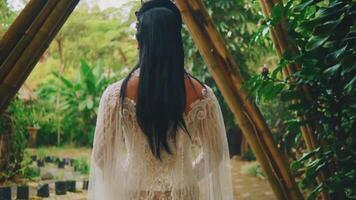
{"points": [[161, 98]]}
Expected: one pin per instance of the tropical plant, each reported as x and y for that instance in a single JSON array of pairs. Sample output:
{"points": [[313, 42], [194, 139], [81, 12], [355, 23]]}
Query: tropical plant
{"points": [[79, 101], [324, 33]]}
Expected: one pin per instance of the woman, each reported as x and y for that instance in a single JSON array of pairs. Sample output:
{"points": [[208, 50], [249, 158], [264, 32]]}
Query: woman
{"points": [[160, 132]]}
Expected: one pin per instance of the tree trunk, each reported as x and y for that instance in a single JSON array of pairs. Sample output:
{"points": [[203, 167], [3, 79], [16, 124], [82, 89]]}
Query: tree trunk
{"points": [[225, 72]]}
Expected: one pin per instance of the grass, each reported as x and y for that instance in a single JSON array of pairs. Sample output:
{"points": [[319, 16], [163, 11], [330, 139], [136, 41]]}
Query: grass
{"points": [[63, 152], [253, 169]]}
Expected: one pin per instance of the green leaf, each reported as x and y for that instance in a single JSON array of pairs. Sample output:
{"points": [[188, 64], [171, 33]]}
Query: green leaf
{"points": [[291, 95], [306, 4], [308, 155], [327, 27], [350, 85], [274, 91], [66, 82], [277, 13], [332, 71], [315, 42], [334, 56]]}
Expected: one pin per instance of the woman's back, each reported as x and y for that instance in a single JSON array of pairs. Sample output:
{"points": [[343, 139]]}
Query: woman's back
{"points": [[122, 154], [160, 133], [174, 172]]}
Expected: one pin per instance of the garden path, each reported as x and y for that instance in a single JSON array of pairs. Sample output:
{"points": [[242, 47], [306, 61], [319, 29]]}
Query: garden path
{"points": [[245, 186]]}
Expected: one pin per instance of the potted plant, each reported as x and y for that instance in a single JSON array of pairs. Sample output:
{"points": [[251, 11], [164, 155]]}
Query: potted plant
{"points": [[33, 157], [43, 190], [61, 164], [60, 185], [85, 185], [22, 192], [41, 154], [5, 193], [49, 159], [71, 186]]}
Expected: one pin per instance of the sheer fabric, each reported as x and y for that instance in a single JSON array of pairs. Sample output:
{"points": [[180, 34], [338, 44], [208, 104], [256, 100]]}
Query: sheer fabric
{"points": [[123, 168]]}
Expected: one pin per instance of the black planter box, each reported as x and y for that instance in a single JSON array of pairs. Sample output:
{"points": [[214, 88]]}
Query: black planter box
{"points": [[40, 163], [33, 157], [71, 186], [67, 161], [61, 164], [56, 159], [22, 192], [5, 193], [85, 184], [43, 190], [49, 159], [61, 188]]}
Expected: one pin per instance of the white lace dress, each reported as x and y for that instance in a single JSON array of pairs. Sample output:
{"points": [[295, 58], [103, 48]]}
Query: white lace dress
{"points": [[123, 167]]}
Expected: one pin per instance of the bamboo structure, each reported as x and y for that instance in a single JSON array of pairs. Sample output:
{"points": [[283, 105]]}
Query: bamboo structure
{"points": [[283, 44], [35, 28], [225, 72], [19, 27]]}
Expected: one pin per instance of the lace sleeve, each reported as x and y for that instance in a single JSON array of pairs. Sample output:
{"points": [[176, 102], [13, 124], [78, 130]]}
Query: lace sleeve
{"points": [[212, 165], [108, 145], [210, 135], [103, 130]]}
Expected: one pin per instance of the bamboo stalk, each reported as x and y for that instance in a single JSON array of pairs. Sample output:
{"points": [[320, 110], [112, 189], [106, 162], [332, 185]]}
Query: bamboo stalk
{"points": [[223, 69], [19, 27], [26, 38], [255, 115], [35, 49], [283, 43]]}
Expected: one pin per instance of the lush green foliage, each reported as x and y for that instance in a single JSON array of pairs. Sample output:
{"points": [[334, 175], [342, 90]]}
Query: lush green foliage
{"points": [[93, 35], [6, 16], [15, 127], [81, 165], [324, 32], [237, 21], [76, 102]]}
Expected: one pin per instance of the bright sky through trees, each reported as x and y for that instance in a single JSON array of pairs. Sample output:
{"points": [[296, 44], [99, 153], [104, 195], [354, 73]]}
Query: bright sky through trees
{"points": [[103, 4]]}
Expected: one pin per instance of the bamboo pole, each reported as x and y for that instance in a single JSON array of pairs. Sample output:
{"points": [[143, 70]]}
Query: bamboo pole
{"points": [[24, 65], [26, 38], [223, 69], [283, 43], [19, 27]]}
